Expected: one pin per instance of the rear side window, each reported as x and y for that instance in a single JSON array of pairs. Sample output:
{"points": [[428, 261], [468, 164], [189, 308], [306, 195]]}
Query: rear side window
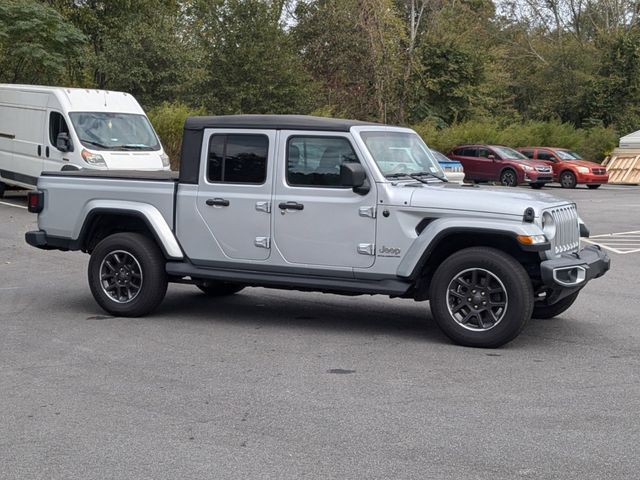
{"points": [[315, 161], [57, 125], [237, 158]]}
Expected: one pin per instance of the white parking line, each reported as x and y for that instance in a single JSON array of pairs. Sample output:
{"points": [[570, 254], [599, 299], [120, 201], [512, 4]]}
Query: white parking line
{"points": [[621, 242], [13, 205]]}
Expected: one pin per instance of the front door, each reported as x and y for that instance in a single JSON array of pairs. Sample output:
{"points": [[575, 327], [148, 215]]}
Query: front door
{"points": [[316, 220], [234, 195], [550, 159], [55, 159]]}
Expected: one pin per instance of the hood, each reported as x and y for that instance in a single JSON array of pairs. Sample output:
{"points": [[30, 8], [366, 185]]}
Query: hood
{"points": [[496, 200], [132, 160], [531, 163], [582, 163]]}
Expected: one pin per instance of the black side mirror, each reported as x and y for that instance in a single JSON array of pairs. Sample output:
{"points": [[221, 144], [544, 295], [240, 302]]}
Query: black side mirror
{"points": [[63, 142], [353, 175]]}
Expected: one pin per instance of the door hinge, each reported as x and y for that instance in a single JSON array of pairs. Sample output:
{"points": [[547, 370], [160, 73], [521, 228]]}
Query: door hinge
{"points": [[263, 207], [367, 212], [262, 242], [367, 249]]}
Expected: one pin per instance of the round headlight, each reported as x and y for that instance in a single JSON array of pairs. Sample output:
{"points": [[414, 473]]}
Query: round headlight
{"points": [[548, 225]]}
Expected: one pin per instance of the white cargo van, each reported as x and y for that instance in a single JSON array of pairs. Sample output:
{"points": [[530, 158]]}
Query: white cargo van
{"points": [[54, 128]]}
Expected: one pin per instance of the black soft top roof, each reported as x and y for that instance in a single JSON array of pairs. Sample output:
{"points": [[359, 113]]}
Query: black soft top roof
{"points": [[275, 122]]}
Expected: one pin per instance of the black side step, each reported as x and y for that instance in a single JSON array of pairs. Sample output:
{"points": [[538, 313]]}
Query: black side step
{"points": [[388, 286]]}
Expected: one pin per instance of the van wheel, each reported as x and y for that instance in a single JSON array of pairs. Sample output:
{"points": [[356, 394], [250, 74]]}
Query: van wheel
{"points": [[3, 188], [481, 297], [127, 275], [542, 311], [568, 179], [593, 187], [508, 178], [218, 289]]}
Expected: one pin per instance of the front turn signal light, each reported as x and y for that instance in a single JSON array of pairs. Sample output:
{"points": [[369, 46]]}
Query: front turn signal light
{"points": [[531, 239]]}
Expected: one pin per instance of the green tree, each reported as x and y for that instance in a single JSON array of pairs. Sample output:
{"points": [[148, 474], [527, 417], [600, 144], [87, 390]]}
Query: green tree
{"points": [[250, 62], [36, 44]]}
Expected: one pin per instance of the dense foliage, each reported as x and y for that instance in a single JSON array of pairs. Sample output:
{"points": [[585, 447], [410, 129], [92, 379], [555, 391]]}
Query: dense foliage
{"points": [[561, 72]]}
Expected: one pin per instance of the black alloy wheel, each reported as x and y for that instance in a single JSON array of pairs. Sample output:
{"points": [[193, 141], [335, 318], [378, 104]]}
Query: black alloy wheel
{"points": [[508, 178]]}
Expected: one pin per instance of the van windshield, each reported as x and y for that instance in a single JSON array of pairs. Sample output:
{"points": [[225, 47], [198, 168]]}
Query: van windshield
{"points": [[400, 154], [114, 131]]}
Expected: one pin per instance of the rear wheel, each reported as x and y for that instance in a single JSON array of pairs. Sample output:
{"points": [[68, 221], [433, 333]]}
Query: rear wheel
{"points": [[537, 185], [218, 289], [127, 275], [549, 311], [568, 179], [593, 187], [508, 178], [481, 297]]}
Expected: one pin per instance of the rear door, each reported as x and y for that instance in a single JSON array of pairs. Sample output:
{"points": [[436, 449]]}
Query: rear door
{"points": [[234, 194], [317, 221]]}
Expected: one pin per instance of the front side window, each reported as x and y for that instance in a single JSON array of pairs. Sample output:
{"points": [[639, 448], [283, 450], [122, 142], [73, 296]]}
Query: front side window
{"points": [[401, 153], [237, 158], [546, 155], [484, 152], [57, 125], [315, 161], [114, 131]]}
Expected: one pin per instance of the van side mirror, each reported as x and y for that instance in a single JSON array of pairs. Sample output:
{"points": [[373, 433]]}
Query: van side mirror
{"points": [[353, 175], [63, 142]]}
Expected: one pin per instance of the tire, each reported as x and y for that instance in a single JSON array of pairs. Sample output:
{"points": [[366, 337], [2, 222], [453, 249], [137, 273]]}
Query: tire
{"points": [[593, 187], [141, 276], [507, 286], [568, 179], [537, 186], [550, 311], [3, 188], [219, 289], [508, 178]]}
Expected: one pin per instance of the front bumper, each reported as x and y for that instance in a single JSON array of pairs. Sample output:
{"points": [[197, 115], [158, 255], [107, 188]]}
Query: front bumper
{"points": [[563, 276], [538, 177], [591, 178]]}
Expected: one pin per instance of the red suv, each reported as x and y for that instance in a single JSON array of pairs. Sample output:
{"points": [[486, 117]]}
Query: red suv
{"points": [[496, 163], [568, 167]]}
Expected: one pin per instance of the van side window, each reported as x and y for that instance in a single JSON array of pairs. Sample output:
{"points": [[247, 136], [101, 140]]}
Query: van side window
{"points": [[237, 158], [57, 125], [315, 161]]}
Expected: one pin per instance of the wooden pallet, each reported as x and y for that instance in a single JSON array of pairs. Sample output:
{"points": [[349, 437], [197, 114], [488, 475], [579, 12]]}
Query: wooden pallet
{"points": [[623, 166]]}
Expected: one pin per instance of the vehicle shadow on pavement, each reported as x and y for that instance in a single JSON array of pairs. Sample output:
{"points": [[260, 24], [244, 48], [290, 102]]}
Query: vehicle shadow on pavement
{"points": [[260, 307]]}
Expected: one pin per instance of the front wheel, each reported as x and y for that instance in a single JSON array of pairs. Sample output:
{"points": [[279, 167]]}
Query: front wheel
{"points": [[568, 180], [542, 311], [508, 178], [481, 297], [127, 275], [593, 187]]}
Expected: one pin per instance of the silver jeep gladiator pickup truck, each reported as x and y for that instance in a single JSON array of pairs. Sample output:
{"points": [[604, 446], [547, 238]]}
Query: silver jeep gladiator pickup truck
{"points": [[318, 204]]}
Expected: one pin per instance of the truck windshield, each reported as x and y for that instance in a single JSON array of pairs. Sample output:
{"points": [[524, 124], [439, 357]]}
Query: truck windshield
{"points": [[114, 131], [399, 154]]}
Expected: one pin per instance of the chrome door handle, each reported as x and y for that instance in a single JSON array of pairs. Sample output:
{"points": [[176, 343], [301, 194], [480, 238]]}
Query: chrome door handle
{"points": [[217, 202], [291, 206]]}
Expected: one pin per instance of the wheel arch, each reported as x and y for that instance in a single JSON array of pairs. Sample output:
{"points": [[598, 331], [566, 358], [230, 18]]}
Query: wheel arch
{"points": [[437, 242], [103, 221], [519, 178]]}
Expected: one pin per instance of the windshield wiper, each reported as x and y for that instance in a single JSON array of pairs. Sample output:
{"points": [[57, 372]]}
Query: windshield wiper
{"points": [[83, 140], [418, 176], [134, 146]]}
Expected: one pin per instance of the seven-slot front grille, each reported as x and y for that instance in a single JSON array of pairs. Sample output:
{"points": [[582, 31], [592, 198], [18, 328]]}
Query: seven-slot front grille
{"points": [[567, 237]]}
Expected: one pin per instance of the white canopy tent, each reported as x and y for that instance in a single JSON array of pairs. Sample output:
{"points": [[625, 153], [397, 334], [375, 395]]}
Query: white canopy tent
{"points": [[630, 141]]}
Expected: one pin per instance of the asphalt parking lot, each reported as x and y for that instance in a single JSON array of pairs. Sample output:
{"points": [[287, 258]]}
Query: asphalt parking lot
{"points": [[287, 385]]}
